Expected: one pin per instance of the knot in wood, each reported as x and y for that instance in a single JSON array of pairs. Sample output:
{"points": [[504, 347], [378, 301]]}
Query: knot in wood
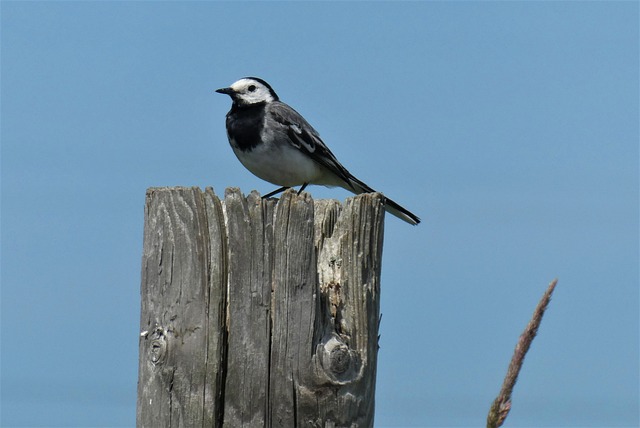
{"points": [[158, 346], [340, 359], [341, 364]]}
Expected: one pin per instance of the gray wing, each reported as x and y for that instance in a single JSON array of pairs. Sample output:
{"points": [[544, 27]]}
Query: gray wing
{"points": [[306, 139]]}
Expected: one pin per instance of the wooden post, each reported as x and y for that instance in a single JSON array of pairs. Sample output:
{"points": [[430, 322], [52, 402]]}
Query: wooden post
{"points": [[258, 313]]}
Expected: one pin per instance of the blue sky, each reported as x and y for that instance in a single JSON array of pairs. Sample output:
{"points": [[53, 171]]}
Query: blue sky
{"points": [[511, 128]]}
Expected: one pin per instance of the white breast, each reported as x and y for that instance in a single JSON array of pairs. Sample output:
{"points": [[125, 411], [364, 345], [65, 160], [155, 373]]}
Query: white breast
{"points": [[281, 165]]}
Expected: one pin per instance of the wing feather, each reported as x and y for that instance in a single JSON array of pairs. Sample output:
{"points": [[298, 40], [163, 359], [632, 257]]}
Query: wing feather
{"points": [[306, 139]]}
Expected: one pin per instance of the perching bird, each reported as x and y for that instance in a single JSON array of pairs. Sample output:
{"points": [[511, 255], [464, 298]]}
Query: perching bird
{"points": [[277, 144]]}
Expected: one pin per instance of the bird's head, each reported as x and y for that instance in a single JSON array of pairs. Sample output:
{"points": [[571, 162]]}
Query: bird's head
{"points": [[250, 90]]}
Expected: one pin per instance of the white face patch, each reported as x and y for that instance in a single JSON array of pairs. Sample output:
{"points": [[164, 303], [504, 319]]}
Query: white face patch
{"points": [[249, 91]]}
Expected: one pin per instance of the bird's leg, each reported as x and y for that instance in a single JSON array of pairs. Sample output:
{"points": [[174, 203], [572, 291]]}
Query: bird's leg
{"points": [[303, 187], [275, 192]]}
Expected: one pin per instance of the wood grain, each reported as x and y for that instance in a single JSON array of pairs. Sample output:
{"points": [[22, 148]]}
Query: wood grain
{"points": [[258, 313]]}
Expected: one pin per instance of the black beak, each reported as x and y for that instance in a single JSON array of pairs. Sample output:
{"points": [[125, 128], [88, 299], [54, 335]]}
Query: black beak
{"points": [[227, 91]]}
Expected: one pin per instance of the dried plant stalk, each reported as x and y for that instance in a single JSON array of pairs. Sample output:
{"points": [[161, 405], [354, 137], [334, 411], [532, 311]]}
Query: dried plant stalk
{"points": [[502, 404]]}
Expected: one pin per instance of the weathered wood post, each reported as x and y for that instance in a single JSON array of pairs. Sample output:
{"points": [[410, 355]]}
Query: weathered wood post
{"points": [[258, 313]]}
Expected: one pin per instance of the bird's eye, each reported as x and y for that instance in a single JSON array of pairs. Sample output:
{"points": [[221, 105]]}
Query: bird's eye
{"points": [[251, 88]]}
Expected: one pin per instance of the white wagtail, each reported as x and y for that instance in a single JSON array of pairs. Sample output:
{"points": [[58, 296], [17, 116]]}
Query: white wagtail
{"points": [[277, 144]]}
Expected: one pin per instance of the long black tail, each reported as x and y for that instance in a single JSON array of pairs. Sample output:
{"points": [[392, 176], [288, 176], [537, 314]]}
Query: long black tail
{"points": [[356, 186]]}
